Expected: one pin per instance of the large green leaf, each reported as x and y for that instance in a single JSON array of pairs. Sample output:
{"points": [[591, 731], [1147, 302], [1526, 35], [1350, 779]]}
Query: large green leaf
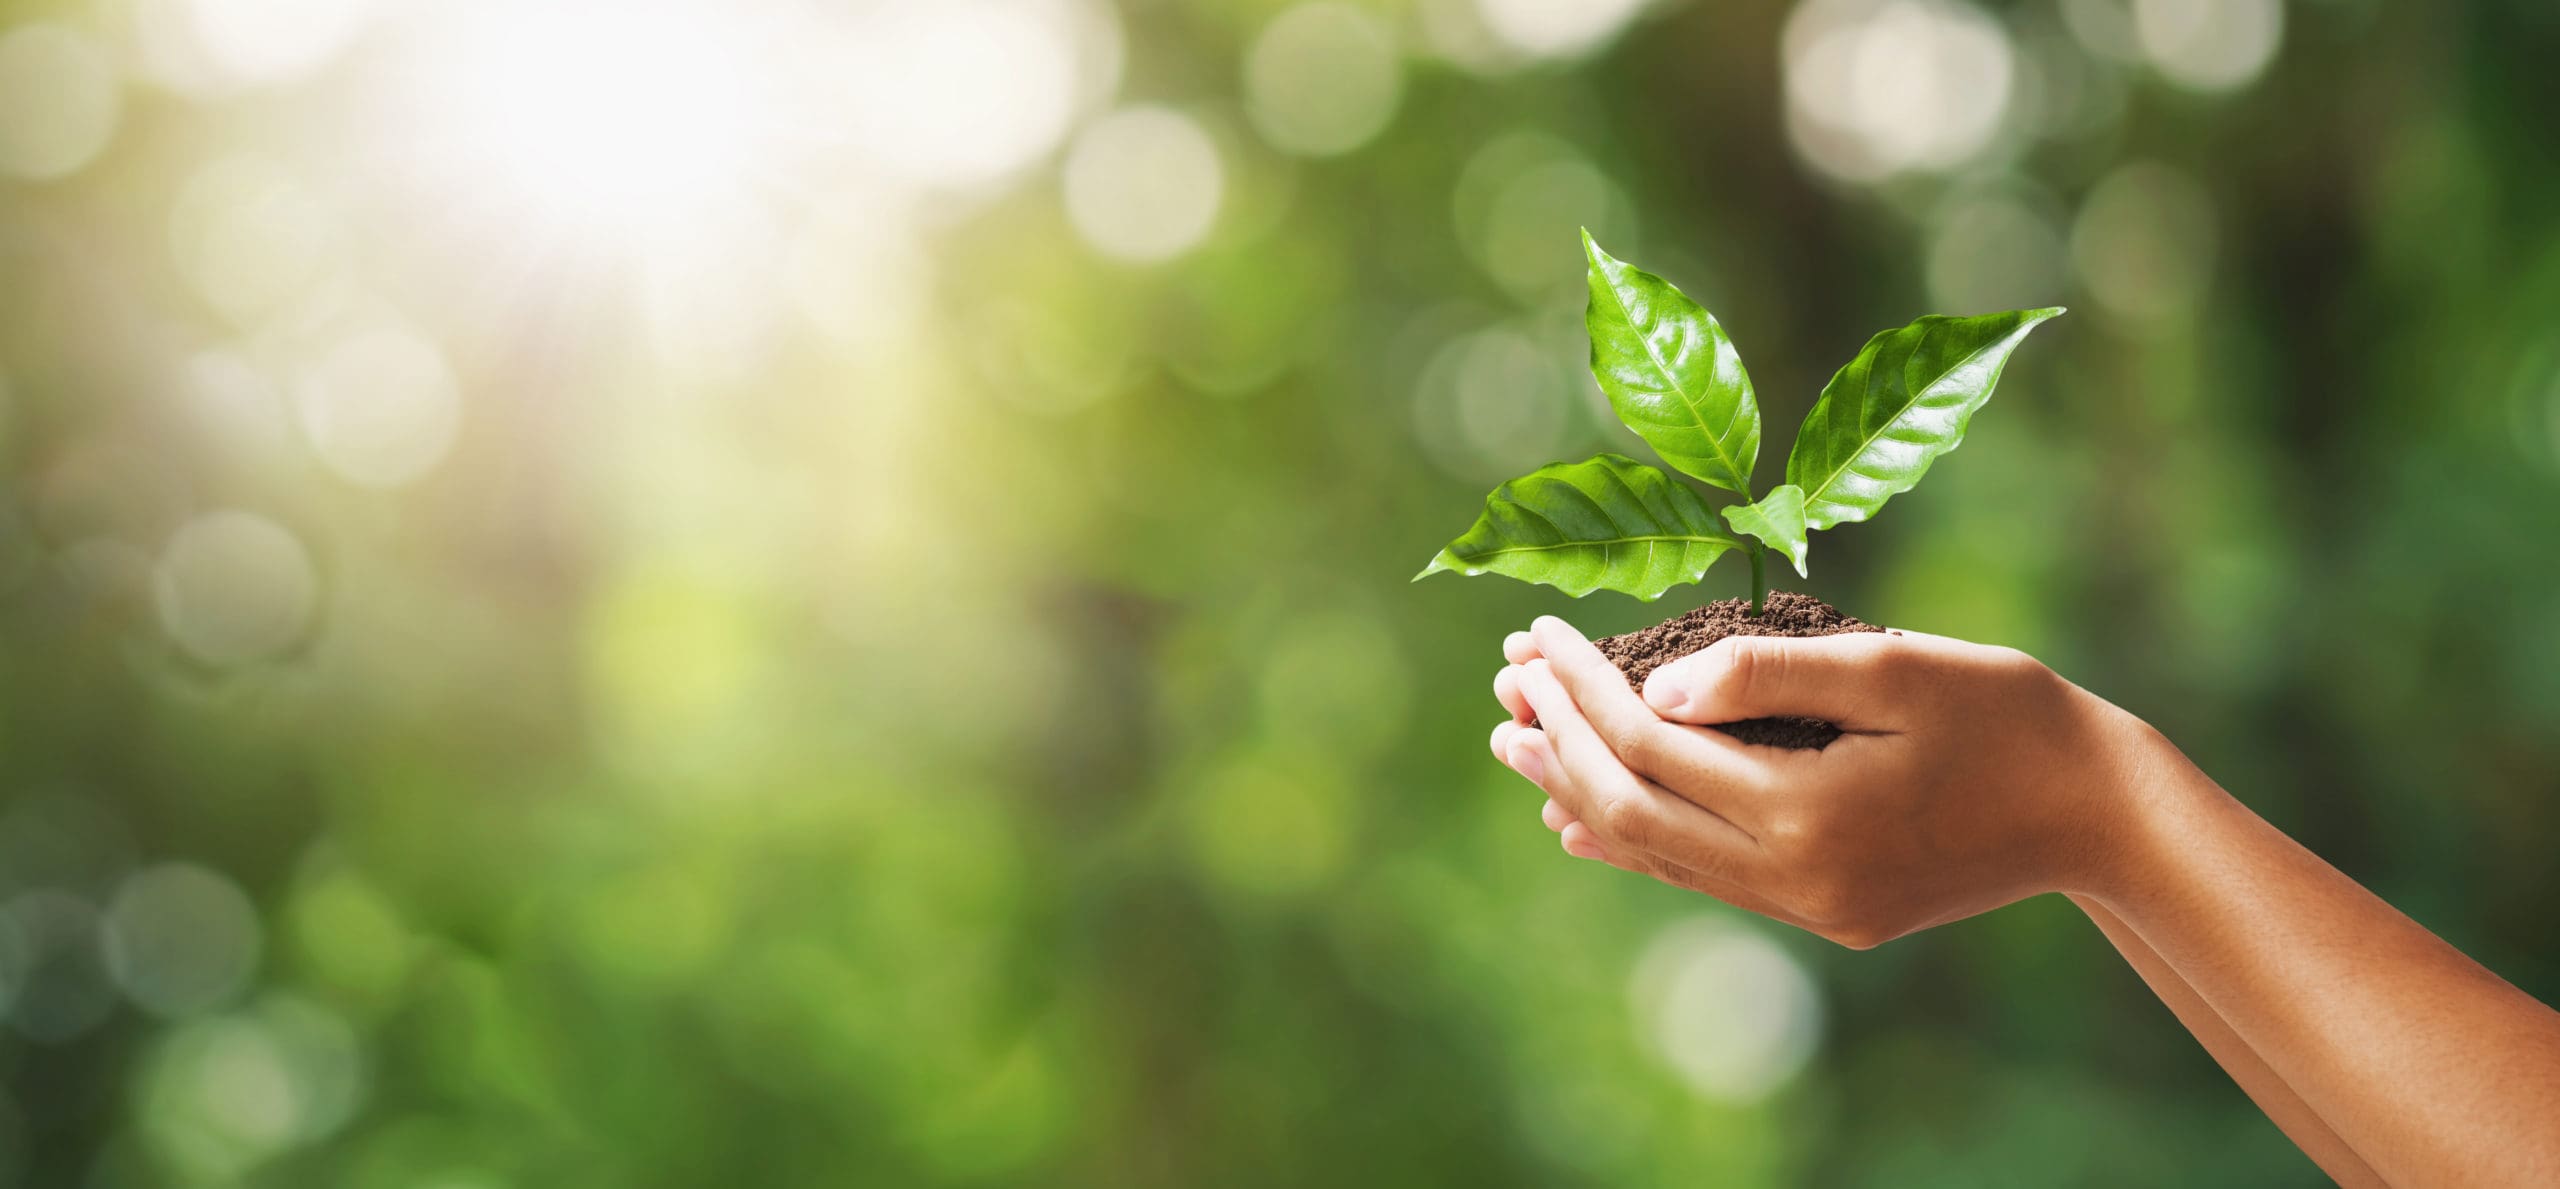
{"points": [[1670, 373], [1606, 523], [1896, 407], [1777, 521]]}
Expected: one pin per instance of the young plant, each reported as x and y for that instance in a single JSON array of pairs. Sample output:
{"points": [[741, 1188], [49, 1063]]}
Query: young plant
{"points": [[1612, 523]]}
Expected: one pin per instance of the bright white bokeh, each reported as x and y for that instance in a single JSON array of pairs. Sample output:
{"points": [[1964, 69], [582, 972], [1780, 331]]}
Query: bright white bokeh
{"points": [[1143, 184], [2209, 45], [1877, 88], [180, 939], [2145, 242], [599, 119], [1556, 28], [59, 99], [1322, 79], [1726, 1008], [210, 47], [380, 407], [233, 587], [250, 238], [958, 94]]}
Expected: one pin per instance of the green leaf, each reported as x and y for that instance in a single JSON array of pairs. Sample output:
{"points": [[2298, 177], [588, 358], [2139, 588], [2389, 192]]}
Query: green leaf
{"points": [[1670, 373], [1896, 407], [1606, 523], [1776, 521]]}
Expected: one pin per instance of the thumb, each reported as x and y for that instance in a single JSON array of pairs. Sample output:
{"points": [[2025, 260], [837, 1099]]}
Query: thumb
{"points": [[1845, 679]]}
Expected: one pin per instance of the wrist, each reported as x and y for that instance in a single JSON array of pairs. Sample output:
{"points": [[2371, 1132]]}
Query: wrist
{"points": [[2153, 803]]}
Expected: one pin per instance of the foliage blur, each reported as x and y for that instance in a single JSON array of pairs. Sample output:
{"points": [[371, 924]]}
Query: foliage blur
{"points": [[687, 593]]}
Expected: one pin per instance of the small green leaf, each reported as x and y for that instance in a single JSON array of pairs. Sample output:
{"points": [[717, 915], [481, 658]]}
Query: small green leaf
{"points": [[1606, 523], [1670, 372], [1896, 407], [1777, 521]]}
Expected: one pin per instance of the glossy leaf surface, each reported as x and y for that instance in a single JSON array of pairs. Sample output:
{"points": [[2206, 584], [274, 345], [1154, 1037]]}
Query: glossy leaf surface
{"points": [[1670, 372], [1895, 408], [1607, 523], [1777, 521]]}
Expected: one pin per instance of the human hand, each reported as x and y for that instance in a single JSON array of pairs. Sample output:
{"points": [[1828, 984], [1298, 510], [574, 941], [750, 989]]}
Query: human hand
{"points": [[1967, 777]]}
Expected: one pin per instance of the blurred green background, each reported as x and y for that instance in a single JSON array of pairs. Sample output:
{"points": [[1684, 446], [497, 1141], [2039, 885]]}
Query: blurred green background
{"points": [[690, 592]]}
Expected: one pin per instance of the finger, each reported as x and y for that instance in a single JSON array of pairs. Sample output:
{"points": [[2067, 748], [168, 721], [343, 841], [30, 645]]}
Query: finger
{"points": [[1506, 690], [1850, 679], [1518, 649], [1502, 733], [1581, 843], [1710, 768], [1633, 817], [1531, 754], [1555, 816]]}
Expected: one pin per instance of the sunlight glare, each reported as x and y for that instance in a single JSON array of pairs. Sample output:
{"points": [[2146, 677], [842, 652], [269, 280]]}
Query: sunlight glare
{"points": [[601, 117]]}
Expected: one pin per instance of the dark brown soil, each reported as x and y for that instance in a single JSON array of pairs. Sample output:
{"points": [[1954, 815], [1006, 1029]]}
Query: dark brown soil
{"points": [[1639, 653]]}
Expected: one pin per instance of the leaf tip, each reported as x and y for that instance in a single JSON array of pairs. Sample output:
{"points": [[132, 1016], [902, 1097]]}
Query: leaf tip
{"points": [[1438, 564]]}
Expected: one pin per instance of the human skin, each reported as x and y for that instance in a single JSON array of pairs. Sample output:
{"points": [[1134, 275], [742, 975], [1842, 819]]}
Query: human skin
{"points": [[1970, 777]]}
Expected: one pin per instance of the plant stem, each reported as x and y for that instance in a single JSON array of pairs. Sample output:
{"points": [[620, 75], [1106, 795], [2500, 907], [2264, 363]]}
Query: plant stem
{"points": [[1759, 583]]}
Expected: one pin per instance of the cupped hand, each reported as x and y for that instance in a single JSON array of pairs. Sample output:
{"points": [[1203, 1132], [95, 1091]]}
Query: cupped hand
{"points": [[1967, 776]]}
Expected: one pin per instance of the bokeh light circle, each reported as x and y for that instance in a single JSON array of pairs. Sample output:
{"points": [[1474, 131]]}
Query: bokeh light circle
{"points": [[233, 587], [250, 238], [58, 985], [2209, 45], [236, 407], [1491, 404], [1877, 88], [2145, 242], [1728, 1009], [962, 92], [1322, 79], [180, 939], [222, 1094], [1996, 250], [380, 407], [59, 99], [1556, 28], [1143, 184], [1517, 205]]}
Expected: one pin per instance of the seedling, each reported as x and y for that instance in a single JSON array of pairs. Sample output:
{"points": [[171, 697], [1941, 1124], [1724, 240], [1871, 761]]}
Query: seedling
{"points": [[1612, 523]]}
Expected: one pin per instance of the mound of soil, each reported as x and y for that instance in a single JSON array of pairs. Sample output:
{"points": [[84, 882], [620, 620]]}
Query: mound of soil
{"points": [[1786, 613]]}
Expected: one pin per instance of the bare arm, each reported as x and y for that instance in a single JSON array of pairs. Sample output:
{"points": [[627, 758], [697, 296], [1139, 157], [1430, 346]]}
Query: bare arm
{"points": [[2282, 1105], [2436, 1070]]}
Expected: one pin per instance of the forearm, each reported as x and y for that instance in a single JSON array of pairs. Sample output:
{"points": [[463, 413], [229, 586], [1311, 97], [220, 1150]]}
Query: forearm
{"points": [[2281, 1104], [2427, 1065]]}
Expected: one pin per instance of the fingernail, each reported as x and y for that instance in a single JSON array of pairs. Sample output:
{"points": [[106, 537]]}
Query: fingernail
{"points": [[1584, 850], [1663, 688], [1526, 761]]}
